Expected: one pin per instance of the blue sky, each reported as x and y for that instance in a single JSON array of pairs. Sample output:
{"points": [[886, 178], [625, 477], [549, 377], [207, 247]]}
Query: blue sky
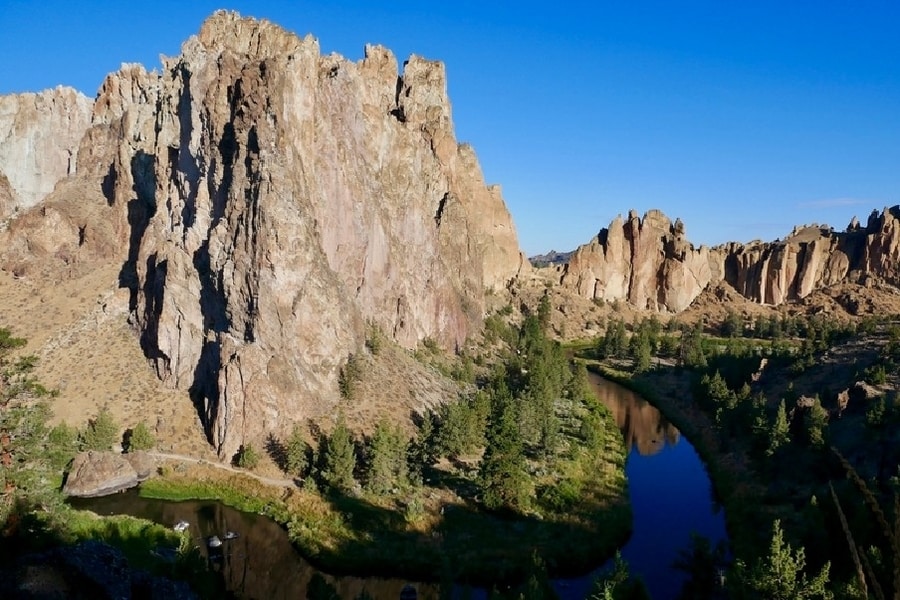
{"points": [[742, 118]]}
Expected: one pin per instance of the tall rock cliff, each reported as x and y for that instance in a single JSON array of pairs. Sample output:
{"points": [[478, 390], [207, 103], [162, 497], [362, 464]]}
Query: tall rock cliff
{"points": [[648, 262], [268, 202], [814, 257]]}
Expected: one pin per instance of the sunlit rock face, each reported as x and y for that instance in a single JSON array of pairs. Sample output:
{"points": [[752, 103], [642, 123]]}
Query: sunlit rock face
{"points": [[646, 262], [39, 138], [650, 264], [267, 202]]}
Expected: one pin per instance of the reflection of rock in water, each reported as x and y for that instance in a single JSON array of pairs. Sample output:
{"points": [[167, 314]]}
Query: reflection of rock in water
{"points": [[643, 426], [260, 562]]}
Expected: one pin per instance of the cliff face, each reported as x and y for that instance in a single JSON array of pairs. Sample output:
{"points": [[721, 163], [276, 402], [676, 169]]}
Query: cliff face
{"points": [[648, 262], [815, 257], [39, 137], [268, 202]]}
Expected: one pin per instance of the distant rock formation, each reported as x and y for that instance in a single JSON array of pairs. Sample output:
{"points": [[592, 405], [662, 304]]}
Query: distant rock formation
{"points": [[649, 263], [646, 262], [39, 138], [814, 257], [266, 203]]}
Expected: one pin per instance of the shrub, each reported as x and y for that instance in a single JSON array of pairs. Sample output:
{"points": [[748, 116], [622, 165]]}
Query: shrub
{"points": [[140, 438], [101, 432], [248, 457]]}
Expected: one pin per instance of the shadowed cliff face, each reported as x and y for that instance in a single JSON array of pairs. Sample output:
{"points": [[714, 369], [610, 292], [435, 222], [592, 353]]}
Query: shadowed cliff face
{"points": [[649, 263], [266, 202]]}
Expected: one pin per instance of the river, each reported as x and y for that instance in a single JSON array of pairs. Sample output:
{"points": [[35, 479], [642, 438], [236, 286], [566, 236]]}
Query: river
{"points": [[670, 495]]}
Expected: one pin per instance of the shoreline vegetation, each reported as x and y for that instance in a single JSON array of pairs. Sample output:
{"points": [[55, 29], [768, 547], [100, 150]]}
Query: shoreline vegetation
{"points": [[795, 419]]}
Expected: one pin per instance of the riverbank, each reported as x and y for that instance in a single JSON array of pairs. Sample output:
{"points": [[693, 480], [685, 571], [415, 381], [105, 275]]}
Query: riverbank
{"points": [[430, 533]]}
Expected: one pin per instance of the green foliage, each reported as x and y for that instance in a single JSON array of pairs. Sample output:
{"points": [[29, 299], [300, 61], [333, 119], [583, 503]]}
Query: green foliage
{"points": [[296, 453], [543, 311], [780, 435], [733, 326], [691, 353], [815, 421], [340, 458], [780, 575], [461, 425], [618, 584], [387, 468], [140, 438], [374, 339], [349, 377], [247, 457], [503, 479], [614, 343], [101, 432]]}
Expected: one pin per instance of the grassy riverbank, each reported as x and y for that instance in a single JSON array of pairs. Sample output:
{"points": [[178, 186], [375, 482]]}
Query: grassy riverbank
{"points": [[431, 533]]}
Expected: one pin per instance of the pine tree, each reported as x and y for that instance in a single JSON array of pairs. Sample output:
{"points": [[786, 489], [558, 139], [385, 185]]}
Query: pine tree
{"points": [[781, 433], [140, 438], [502, 477], [780, 575], [387, 458], [248, 457], [340, 458], [295, 453], [101, 432]]}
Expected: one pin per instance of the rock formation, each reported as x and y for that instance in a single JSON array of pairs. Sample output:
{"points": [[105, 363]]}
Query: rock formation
{"points": [[814, 257], [97, 473], [266, 203], [39, 138], [648, 262]]}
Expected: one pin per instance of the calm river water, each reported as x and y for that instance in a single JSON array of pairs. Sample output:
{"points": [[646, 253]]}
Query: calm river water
{"points": [[670, 495]]}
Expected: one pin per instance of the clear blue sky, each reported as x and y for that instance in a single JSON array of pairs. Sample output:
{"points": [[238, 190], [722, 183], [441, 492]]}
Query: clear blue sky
{"points": [[742, 118]]}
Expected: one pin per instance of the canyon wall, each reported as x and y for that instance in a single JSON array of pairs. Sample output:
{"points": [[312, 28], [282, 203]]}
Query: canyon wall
{"points": [[268, 204], [649, 263]]}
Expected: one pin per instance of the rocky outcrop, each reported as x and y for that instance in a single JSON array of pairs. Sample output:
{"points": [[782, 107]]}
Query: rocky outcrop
{"points": [[96, 473], [39, 138], [648, 262], [814, 257], [266, 203]]}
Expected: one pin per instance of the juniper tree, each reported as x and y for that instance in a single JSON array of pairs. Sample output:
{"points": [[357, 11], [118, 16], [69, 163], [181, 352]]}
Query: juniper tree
{"points": [[295, 455], [502, 476], [340, 458]]}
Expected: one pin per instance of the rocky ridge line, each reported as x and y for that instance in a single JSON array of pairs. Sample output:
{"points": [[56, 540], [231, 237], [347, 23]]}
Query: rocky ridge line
{"points": [[650, 264]]}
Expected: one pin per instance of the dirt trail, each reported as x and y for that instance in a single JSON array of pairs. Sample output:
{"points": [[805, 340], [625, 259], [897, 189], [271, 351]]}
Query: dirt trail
{"points": [[225, 467]]}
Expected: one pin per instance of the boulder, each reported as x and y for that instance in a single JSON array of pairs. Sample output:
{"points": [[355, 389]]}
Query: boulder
{"points": [[142, 463], [96, 473]]}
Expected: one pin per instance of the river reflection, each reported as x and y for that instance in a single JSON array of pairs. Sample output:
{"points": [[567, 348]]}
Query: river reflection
{"points": [[260, 562], [644, 427], [671, 495]]}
